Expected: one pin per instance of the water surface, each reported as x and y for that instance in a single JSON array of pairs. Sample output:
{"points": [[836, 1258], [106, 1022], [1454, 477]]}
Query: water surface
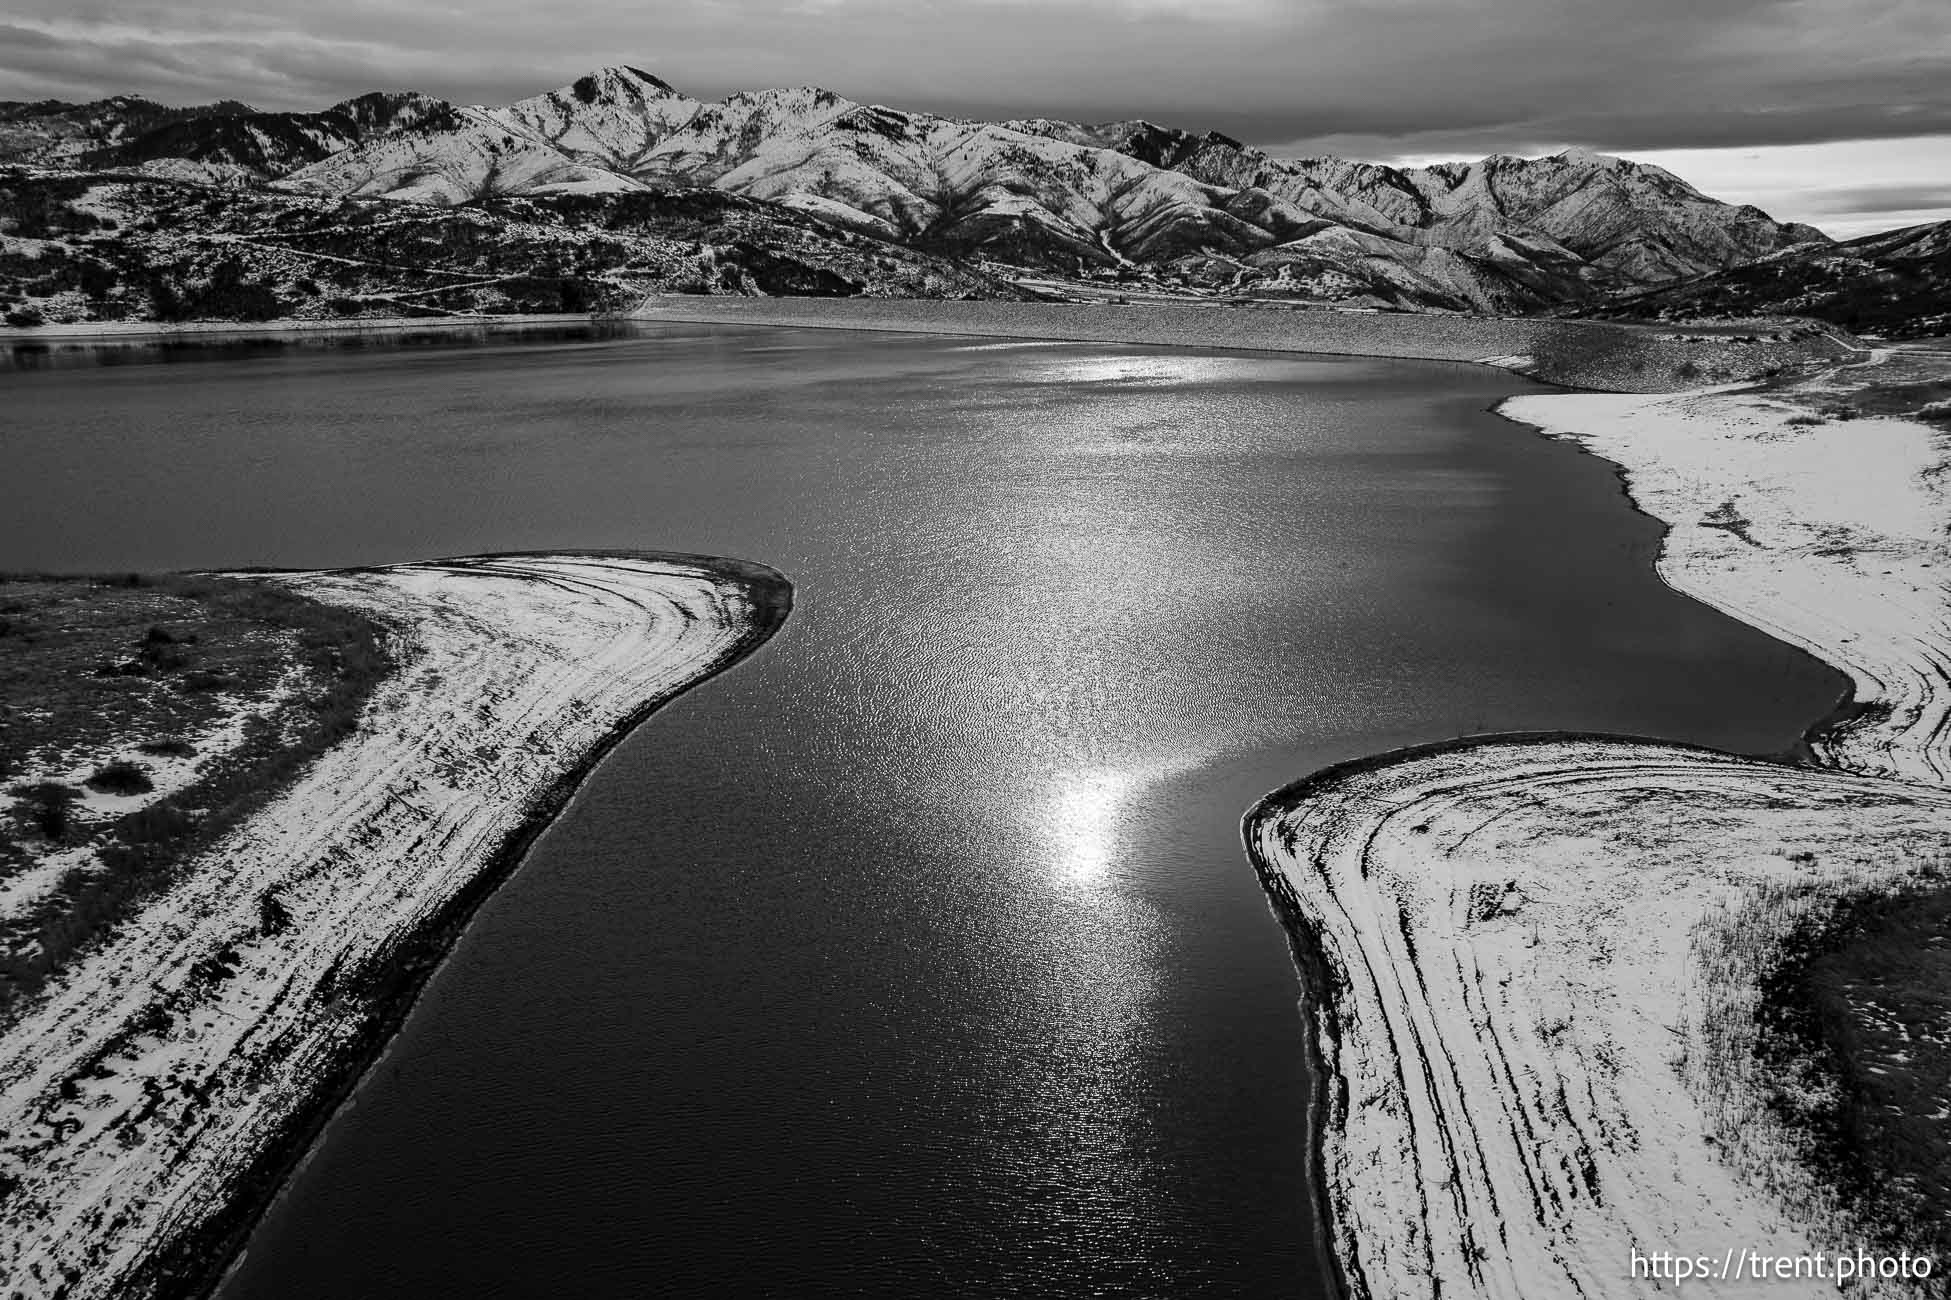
{"points": [[918, 955]]}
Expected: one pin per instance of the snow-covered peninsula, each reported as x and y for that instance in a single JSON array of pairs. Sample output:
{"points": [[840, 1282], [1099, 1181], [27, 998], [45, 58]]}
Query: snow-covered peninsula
{"points": [[1538, 958], [157, 1087]]}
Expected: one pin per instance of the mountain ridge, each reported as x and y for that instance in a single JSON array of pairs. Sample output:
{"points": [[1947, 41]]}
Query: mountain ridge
{"points": [[1042, 195], [1520, 234], [51, 130], [1031, 198]]}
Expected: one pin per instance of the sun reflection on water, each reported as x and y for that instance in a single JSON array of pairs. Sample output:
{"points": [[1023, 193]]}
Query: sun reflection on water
{"points": [[1133, 369], [1084, 819]]}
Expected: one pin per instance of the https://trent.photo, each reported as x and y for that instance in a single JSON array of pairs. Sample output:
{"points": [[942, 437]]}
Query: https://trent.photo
{"points": [[1282, 649]]}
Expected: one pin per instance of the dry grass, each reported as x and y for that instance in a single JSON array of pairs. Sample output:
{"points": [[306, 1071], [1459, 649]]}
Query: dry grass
{"points": [[1869, 1005], [1736, 949], [95, 670], [84, 660], [1819, 1046], [1904, 385]]}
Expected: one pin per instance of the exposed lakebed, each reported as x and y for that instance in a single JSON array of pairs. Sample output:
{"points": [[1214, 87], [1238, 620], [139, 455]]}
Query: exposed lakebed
{"points": [[919, 952]]}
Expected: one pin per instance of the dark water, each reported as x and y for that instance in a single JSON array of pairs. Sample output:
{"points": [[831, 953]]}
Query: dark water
{"points": [[81, 353], [919, 954]]}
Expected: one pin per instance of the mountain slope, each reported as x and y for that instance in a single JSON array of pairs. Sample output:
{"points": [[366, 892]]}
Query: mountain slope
{"points": [[191, 252], [474, 160], [1632, 220], [1897, 283], [52, 131], [267, 145], [610, 119]]}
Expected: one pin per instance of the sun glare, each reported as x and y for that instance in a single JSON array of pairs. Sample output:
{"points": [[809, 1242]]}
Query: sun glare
{"points": [[1084, 821]]}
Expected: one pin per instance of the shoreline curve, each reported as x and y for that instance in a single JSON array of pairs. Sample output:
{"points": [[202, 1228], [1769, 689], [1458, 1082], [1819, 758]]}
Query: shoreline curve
{"points": [[1601, 355], [664, 623], [1758, 528]]}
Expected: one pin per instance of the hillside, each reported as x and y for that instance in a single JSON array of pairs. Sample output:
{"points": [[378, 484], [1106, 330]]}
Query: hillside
{"points": [[106, 247], [266, 145], [1121, 202], [53, 132], [1896, 284]]}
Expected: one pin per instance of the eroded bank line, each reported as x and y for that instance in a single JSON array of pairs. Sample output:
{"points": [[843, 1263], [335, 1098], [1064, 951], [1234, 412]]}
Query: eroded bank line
{"points": [[150, 1095], [1541, 954]]}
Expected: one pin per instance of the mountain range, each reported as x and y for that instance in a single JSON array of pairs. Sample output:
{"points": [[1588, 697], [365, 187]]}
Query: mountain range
{"points": [[1021, 203]]}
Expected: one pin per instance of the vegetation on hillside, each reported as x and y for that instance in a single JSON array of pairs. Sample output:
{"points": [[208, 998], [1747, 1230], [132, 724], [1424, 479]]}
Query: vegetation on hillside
{"points": [[109, 248], [1895, 285], [1825, 1057]]}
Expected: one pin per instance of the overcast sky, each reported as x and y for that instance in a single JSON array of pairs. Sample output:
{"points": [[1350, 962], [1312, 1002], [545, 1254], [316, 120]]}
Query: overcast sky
{"points": [[1765, 101]]}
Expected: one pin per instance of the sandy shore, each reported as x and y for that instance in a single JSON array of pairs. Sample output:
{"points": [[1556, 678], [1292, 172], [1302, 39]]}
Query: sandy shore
{"points": [[154, 1093], [1541, 955]]}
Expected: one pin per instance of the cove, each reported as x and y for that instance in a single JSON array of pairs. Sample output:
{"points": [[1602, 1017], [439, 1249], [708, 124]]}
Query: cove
{"points": [[918, 952]]}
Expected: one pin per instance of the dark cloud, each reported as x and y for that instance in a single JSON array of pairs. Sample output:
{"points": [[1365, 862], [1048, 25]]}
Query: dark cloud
{"points": [[1398, 76]]}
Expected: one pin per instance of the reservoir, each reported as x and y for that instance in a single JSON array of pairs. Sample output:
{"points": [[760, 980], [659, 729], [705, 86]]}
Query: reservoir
{"points": [[917, 954]]}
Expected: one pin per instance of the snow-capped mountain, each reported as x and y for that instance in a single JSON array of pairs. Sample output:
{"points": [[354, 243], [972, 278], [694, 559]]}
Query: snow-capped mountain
{"points": [[1624, 219], [611, 119], [1051, 197], [954, 186], [1504, 233]]}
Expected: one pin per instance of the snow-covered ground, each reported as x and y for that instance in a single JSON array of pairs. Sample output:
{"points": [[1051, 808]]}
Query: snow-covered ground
{"points": [[1539, 954], [1829, 535], [148, 1075]]}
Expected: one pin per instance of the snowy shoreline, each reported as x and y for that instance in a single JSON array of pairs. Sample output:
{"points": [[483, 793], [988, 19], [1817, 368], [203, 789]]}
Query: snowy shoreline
{"points": [[516, 674], [1531, 1069]]}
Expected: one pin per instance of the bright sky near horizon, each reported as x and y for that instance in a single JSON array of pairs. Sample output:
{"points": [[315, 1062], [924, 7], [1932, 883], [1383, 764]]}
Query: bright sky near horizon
{"points": [[1835, 112]]}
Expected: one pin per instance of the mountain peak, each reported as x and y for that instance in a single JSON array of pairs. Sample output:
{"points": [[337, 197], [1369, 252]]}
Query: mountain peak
{"points": [[1581, 156], [620, 81]]}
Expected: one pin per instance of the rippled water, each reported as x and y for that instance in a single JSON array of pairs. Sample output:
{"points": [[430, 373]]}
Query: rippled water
{"points": [[917, 955]]}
